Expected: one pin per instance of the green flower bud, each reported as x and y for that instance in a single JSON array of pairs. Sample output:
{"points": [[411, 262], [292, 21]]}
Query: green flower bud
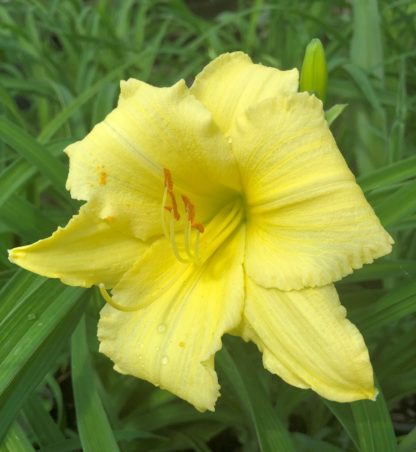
{"points": [[314, 74]]}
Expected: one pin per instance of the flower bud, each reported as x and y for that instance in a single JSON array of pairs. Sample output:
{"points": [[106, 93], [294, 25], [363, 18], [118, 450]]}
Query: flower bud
{"points": [[314, 73]]}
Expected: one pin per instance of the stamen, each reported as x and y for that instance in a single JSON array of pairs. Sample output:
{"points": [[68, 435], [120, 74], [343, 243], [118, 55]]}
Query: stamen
{"points": [[162, 213], [174, 207], [190, 210], [174, 216], [188, 232], [173, 243], [108, 299], [169, 191], [196, 248], [199, 227]]}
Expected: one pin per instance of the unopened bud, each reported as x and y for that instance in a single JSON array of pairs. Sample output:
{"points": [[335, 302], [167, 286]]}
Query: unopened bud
{"points": [[314, 73]]}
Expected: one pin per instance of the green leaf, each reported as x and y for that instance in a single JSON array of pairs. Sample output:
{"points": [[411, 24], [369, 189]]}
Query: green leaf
{"points": [[10, 104], [332, 114], [16, 440], [397, 205], [25, 219], [74, 444], [388, 175], [381, 269], [374, 427], [408, 443], [94, 428], [41, 422], [37, 317], [13, 177], [342, 411], [34, 153], [391, 307], [243, 378], [366, 45], [367, 423], [305, 443]]}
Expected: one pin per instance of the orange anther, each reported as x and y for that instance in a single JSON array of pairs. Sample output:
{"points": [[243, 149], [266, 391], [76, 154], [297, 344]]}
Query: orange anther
{"points": [[189, 208], [169, 187], [198, 226], [174, 208], [168, 180]]}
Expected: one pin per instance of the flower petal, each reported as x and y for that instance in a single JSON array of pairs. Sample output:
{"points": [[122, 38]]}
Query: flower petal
{"points": [[308, 221], [172, 341], [232, 83], [86, 251], [120, 163], [306, 340]]}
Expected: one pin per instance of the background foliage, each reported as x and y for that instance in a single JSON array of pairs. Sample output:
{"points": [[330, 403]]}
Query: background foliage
{"points": [[60, 63]]}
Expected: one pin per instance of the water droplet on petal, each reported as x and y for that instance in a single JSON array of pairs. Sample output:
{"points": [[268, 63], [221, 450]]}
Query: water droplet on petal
{"points": [[164, 360], [230, 140], [161, 328], [31, 316]]}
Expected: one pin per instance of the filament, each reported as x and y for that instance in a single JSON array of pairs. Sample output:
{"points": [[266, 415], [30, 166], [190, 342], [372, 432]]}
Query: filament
{"points": [[173, 243], [108, 299], [196, 249], [162, 213], [188, 232]]}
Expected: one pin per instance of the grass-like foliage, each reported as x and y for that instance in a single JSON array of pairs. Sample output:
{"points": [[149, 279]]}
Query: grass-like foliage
{"points": [[60, 66]]}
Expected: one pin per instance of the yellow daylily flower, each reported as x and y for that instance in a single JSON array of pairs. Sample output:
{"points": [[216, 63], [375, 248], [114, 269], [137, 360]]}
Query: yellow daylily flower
{"points": [[222, 208]]}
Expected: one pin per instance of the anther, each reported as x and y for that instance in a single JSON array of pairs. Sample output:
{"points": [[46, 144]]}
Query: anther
{"points": [[169, 192], [168, 180], [174, 216], [190, 210]]}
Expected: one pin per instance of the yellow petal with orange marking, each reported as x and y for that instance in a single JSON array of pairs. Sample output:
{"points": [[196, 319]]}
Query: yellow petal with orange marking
{"points": [[120, 163]]}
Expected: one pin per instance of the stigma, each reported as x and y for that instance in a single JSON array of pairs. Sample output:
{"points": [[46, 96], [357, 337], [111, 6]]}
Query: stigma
{"points": [[188, 250]]}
